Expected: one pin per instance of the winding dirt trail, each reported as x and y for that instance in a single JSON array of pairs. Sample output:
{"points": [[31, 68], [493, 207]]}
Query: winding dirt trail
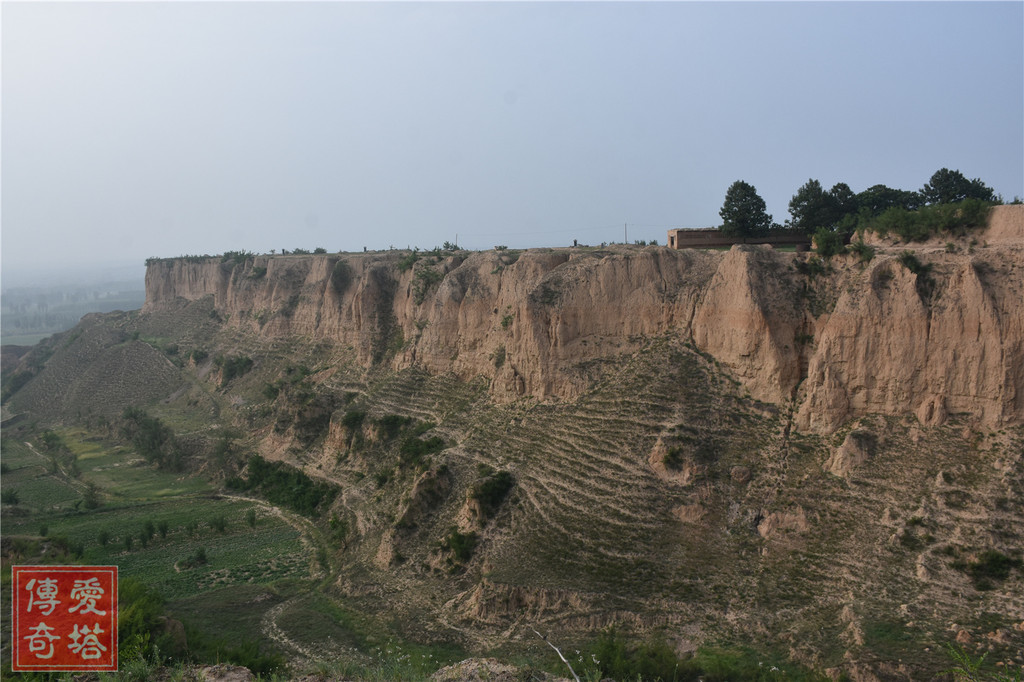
{"points": [[307, 536]]}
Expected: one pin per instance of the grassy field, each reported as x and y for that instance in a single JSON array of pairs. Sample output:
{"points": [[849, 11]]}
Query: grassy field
{"points": [[239, 554]]}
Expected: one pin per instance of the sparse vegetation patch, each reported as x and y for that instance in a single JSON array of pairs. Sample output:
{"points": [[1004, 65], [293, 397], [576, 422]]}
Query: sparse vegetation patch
{"points": [[989, 567], [232, 367], [426, 277]]}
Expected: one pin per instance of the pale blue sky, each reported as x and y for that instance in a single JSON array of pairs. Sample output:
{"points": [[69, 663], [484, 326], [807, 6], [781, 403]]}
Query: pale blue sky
{"points": [[139, 129]]}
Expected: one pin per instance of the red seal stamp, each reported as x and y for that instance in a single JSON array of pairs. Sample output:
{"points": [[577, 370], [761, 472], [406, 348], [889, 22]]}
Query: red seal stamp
{"points": [[64, 617]]}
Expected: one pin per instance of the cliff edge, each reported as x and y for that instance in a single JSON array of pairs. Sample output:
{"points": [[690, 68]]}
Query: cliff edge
{"points": [[928, 329]]}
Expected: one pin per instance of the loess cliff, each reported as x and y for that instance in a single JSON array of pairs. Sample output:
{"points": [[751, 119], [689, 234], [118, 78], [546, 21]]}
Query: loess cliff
{"points": [[941, 333]]}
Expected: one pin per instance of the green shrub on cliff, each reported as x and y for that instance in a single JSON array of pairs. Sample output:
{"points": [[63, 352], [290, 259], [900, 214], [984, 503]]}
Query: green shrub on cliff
{"points": [[492, 491], [409, 260], [928, 221], [341, 277], [232, 367], [285, 485], [424, 280], [236, 257], [828, 243]]}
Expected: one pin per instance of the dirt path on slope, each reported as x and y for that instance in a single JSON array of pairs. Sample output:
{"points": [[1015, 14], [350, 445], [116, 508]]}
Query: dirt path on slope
{"points": [[268, 624]]}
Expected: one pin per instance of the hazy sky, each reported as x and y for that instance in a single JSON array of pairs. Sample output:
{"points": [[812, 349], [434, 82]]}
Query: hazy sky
{"points": [[159, 129]]}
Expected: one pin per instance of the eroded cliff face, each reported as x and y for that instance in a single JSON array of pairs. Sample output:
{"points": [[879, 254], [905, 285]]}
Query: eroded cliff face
{"points": [[858, 338]]}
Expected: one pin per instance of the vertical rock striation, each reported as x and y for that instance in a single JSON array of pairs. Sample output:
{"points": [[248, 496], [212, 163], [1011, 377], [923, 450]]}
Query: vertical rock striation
{"points": [[856, 339]]}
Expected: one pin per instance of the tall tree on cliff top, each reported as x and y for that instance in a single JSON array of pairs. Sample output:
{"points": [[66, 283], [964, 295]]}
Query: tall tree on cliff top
{"points": [[813, 208], [876, 199], [950, 186], [744, 212], [808, 207]]}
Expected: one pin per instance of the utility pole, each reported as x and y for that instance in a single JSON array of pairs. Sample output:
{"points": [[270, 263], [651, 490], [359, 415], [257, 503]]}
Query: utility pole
{"points": [[625, 237]]}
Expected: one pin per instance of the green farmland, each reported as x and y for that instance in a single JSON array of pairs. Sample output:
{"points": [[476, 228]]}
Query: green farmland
{"points": [[245, 579], [152, 525]]}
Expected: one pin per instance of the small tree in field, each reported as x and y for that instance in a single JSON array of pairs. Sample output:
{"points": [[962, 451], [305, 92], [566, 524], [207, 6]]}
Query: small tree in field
{"points": [[91, 497], [743, 213]]}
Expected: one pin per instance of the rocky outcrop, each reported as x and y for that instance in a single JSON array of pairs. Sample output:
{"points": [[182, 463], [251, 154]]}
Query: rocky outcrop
{"points": [[749, 318], [949, 339], [489, 601], [857, 448], [489, 670], [429, 490], [852, 340], [775, 522]]}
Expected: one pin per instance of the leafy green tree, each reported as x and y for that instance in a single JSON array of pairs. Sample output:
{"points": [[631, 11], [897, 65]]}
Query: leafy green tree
{"points": [[950, 186], [827, 242], [812, 208], [140, 609], [843, 200], [51, 441], [877, 199], [152, 438], [91, 497], [809, 207], [744, 211]]}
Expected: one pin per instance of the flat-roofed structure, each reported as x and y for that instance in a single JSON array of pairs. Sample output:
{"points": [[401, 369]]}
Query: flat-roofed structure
{"points": [[711, 237]]}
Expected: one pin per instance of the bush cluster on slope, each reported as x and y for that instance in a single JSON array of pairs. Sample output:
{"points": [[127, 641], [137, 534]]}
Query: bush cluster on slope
{"points": [[492, 491], [232, 367], [285, 485], [153, 439]]}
